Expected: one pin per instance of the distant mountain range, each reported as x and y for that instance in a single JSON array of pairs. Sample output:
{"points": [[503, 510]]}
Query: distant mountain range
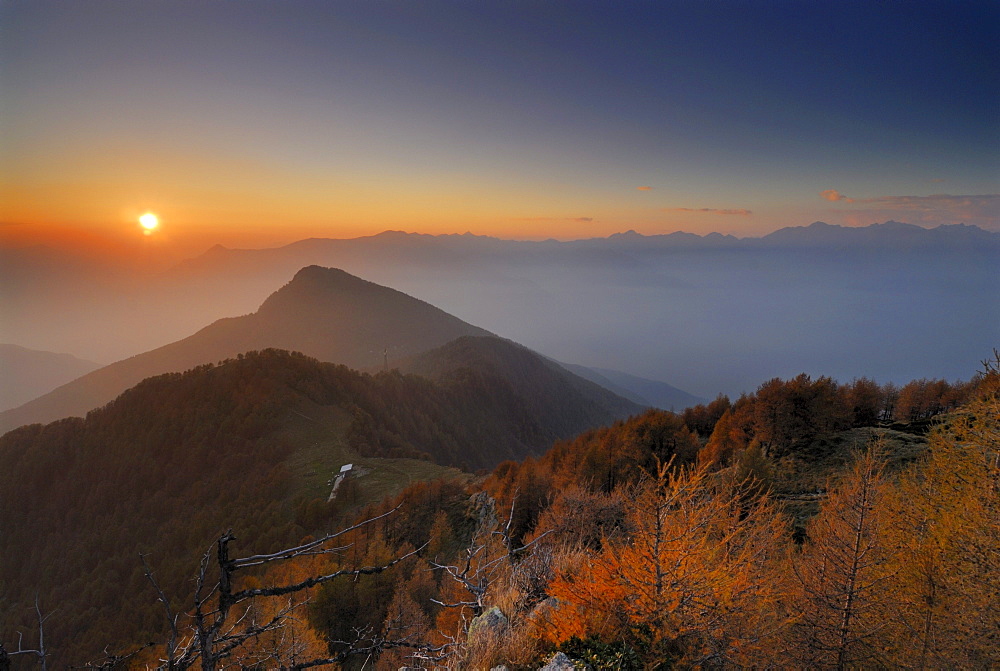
{"points": [[892, 234], [708, 313], [333, 316], [26, 374], [647, 393]]}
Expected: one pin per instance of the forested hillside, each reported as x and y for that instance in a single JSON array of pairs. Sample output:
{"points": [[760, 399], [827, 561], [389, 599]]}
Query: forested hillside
{"points": [[248, 444], [678, 539], [567, 400], [641, 547]]}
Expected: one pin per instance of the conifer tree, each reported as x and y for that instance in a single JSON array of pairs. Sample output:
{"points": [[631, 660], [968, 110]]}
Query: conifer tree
{"points": [[842, 574], [693, 583], [947, 549]]}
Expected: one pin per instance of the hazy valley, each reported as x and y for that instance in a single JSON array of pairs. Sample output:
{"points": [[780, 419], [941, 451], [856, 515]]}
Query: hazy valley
{"points": [[705, 314]]}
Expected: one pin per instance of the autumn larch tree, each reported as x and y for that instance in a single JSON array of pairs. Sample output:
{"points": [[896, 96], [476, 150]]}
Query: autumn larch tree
{"points": [[692, 582], [947, 549], [842, 574]]}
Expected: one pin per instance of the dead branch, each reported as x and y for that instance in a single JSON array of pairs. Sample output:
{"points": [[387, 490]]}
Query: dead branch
{"points": [[40, 651], [224, 618]]}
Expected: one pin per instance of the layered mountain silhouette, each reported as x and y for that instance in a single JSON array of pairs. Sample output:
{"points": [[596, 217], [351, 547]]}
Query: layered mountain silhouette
{"points": [[707, 313], [29, 373], [323, 312], [640, 390], [249, 443], [333, 316], [532, 385]]}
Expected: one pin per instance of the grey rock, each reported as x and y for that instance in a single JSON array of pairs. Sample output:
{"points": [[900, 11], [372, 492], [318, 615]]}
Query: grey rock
{"points": [[559, 662], [492, 621]]}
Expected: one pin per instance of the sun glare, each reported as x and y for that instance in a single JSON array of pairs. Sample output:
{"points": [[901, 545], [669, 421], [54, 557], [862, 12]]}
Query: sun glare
{"points": [[149, 221]]}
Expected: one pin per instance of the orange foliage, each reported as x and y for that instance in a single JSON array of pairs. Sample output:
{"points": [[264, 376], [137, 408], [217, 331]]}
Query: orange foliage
{"points": [[726, 441], [296, 641], [696, 574]]}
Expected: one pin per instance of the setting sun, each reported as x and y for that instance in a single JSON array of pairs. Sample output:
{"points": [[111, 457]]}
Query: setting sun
{"points": [[149, 221]]}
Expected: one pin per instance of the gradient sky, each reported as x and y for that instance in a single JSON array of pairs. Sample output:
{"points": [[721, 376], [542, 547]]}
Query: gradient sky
{"points": [[258, 123]]}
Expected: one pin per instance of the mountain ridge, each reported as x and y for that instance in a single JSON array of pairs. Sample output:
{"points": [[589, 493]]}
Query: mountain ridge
{"points": [[247, 444], [343, 329], [333, 316], [645, 392], [549, 389]]}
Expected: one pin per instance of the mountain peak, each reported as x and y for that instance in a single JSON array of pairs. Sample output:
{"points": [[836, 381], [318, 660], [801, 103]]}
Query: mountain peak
{"points": [[316, 273], [318, 292], [325, 313], [899, 226], [630, 234]]}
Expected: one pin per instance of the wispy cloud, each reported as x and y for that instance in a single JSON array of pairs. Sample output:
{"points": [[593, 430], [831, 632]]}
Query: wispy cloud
{"points": [[643, 188], [742, 212], [834, 195]]}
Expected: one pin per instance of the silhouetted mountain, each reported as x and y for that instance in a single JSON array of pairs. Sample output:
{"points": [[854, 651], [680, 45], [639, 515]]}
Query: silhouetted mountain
{"points": [[28, 373], [705, 313], [324, 313], [892, 234]]}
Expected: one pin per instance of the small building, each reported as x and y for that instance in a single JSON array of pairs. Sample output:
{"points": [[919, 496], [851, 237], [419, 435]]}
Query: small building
{"points": [[345, 470]]}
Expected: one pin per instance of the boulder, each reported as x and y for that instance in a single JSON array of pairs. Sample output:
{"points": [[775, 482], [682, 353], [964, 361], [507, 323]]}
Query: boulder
{"points": [[560, 662], [491, 623]]}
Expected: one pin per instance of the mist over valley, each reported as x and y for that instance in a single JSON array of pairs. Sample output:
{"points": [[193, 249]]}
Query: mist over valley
{"points": [[706, 314]]}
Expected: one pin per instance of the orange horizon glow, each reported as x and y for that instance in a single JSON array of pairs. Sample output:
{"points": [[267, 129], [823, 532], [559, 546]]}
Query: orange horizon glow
{"points": [[91, 217], [189, 236]]}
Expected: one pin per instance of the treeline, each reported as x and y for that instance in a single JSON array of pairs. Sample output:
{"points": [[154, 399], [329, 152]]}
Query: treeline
{"points": [[761, 436], [784, 414]]}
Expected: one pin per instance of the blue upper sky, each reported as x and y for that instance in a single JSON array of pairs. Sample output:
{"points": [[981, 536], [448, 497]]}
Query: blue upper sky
{"points": [[254, 122]]}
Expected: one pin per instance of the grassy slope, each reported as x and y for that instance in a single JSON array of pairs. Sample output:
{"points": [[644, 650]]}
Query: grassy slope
{"points": [[321, 448], [801, 480]]}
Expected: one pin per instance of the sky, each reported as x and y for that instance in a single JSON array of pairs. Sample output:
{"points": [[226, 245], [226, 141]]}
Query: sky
{"points": [[252, 124]]}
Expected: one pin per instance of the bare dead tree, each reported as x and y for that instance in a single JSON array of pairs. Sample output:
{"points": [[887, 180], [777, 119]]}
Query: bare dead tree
{"points": [[224, 617], [112, 661], [171, 617], [490, 550], [21, 650], [492, 559]]}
